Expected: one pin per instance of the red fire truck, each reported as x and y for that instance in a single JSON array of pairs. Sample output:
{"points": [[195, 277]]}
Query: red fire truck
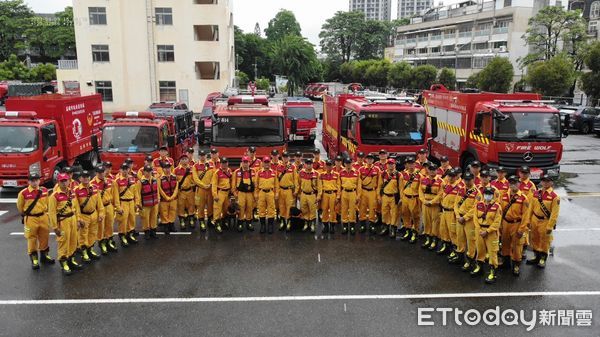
{"points": [[45, 133], [248, 121], [138, 134], [496, 129], [353, 123], [301, 117]]}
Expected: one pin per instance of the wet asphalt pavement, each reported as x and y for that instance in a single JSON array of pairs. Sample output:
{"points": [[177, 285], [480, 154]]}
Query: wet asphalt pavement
{"points": [[301, 284]]}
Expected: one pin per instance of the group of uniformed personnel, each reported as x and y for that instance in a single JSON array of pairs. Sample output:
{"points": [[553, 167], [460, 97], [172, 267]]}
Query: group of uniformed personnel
{"points": [[467, 217]]}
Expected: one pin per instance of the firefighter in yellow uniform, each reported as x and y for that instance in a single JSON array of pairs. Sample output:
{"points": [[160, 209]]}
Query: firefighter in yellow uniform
{"points": [[486, 182], [186, 205], [318, 164], [168, 188], [104, 185], [543, 214], [266, 194], [32, 204], [63, 211], [309, 194], [163, 157], [91, 210], [410, 209], [244, 187], [350, 187], [202, 173], [221, 189], [528, 188], [330, 187], [447, 239], [148, 201], [286, 178], [430, 196], [148, 161], [125, 201], [390, 198], [464, 208], [487, 217], [514, 224], [501, 183], [370, 182]]}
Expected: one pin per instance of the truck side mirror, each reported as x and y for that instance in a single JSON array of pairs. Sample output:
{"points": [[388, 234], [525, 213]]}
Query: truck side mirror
{"points": [[294, 126], [565, 126], [52, 140], [94, 142], [434, 127], [171, 141], [321, 116]]}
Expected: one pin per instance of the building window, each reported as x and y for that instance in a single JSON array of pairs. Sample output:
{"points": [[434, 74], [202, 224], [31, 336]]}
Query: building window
{"points": [[104, 88], [480, 46], [97, 15], [166, 53], [422, 50], [449, 49], [206, 2], [593, 27], [507, 3], [100, 53], [164, 16], [435, 50], [500, 44], [167, 91], [595, 10], [208, 70]]}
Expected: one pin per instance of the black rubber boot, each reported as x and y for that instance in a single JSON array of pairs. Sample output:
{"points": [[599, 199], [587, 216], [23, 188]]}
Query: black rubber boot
{"points": [[35, 261], [413, 237], [536, 258], [392, 231], [384, 230], [491, 275], [433, 244], [325, 227], [147, 234], [477, 269], [192, 221], [182, 223], [65, 268], [542, 261], [362, 226], [313, 226], [332, 227], [45, 257], [372, 228], [405, 234], [516, 268], [306, 225], [249, 225], [270, 225], [282, 224], [344, 228], [74, 264], [219, 226], [263, 225], [468, 265], [352, 228], [131, 238], [427, 242], [92, 253], [112, 245]]}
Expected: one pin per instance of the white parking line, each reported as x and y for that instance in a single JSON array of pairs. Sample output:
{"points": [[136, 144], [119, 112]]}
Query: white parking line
{"points": [[3, 212], [8, 201], [593, 229], [298, 298]]}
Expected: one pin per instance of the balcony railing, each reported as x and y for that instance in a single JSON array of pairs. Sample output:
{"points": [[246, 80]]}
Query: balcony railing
{"points": [[67, 64]]}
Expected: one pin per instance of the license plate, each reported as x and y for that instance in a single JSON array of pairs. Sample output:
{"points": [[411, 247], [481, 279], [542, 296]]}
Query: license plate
{"points": [[9, 183], [536, 173]]}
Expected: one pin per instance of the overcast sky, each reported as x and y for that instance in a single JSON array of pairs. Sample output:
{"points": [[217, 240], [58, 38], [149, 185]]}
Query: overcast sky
{"points": [[310, 13]]}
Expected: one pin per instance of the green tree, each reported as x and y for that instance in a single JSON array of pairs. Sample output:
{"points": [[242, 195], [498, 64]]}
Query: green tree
{"points": [[295, 57], [13, 69], [553, 77], [423, 76], [497, 76], [52, 40], [263, 83], [253, 50], [546, 31], [346, 72], [377, 73], [590, 81], [15, 16], [283, 24], [370, 44], [242, 77], [473, 81], [43, 72], [447, 77], [400, 75], [359, 70], [340, 33]]}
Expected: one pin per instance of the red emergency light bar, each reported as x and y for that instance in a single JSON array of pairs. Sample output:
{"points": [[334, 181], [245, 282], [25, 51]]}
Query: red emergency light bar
{"points": [[134, 114], [18, 114], [244, 99]]}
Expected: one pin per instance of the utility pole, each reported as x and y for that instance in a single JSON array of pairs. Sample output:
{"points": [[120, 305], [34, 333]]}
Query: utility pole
{"points": [[255, 68]]}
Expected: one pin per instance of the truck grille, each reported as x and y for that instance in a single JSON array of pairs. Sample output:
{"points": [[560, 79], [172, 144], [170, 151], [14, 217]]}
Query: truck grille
{"points": [[518, 159]]}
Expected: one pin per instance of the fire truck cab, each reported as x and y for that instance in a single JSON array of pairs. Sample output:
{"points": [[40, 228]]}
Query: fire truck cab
{"points": [[354, 123], [138, 134], [248, 121], [300, 119], [509, 130]]}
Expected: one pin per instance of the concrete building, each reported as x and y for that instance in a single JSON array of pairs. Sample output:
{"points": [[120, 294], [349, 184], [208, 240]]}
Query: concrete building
{"points": [[136, 52], [373, 9], [591, 12], [410, 8], [466, 36]]}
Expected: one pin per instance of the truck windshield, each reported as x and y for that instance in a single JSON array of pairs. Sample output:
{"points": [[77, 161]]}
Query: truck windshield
{"points": [[207, 111], [301, 113], [246, 130], [130, 138], [18, 139], [527, 126], [392, 128]]}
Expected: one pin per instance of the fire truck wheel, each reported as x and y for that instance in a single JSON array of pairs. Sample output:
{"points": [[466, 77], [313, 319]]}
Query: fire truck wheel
{"points": [[92, 160]]}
